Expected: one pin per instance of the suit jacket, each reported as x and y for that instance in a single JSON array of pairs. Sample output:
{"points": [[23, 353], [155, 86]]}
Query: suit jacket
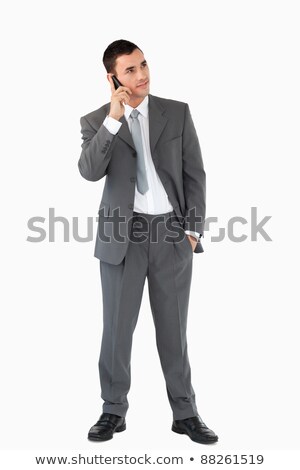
{"points": [[177, 158]]}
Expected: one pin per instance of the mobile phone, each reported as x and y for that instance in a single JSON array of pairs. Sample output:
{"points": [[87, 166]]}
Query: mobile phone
{"points": [[117, 83]]}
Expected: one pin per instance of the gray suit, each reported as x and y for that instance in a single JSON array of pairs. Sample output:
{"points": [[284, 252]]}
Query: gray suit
{"points": [[124, 265], [177, 158]]}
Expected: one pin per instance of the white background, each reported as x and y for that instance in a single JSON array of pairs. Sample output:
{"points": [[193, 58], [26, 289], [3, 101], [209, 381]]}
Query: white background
{"points": [[237, 65]]}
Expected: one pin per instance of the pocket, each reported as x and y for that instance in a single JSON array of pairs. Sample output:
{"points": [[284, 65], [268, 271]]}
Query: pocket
{"points": [[174, 140], [172, 147]]}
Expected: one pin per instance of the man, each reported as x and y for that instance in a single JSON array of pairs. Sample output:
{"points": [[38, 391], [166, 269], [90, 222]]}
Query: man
{"points": [[148, 150]]}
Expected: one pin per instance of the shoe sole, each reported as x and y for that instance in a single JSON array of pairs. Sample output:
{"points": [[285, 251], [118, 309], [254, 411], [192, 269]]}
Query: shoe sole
{"points": [[178, 431], [96, 438]]}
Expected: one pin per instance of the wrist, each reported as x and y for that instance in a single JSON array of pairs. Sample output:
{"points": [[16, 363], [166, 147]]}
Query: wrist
{"points": [[117, 118]]}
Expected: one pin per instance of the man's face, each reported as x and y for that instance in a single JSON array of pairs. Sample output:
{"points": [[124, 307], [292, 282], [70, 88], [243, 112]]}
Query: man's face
{"points": [[132, 71]]}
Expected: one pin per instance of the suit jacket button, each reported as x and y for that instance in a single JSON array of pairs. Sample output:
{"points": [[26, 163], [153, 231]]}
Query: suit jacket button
{"points": [[134, 154], [132, 179], [130, 206]]}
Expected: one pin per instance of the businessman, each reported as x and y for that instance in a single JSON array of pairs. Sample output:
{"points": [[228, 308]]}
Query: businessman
{"points": [[151, 219]]}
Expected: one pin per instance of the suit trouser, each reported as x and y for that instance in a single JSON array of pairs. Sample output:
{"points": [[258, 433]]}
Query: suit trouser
{"points": [[168, 267]]}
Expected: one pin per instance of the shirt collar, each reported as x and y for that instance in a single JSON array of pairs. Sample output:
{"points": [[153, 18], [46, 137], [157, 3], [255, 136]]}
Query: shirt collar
{"points": [[142, 108]]}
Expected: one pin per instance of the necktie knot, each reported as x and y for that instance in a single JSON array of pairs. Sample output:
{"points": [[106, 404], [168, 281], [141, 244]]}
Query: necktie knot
{"points": [[134, 113]]}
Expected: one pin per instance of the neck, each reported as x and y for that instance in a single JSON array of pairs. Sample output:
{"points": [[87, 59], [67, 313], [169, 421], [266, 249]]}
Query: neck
{"points": [[135, 102]]}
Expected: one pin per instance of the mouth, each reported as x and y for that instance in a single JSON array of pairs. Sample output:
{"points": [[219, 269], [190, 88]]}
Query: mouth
{"points": [[143, 85]]}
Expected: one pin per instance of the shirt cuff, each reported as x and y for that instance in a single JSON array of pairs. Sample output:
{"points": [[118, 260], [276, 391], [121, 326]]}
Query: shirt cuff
{"points": [[194, 234], [112, 125]]}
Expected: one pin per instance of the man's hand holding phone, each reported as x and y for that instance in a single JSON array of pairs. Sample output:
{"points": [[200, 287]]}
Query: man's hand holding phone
{"points": [[119, 97]]}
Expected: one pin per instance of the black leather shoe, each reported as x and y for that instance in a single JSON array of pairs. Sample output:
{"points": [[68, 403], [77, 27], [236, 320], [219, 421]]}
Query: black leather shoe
{"points": [[196, 429], [106, 426]]}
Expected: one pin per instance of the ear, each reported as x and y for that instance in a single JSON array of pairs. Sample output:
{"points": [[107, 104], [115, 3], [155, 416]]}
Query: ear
{"points": [[112, 86]]}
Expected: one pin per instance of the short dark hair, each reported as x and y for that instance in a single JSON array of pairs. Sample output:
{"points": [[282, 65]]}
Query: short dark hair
{"points": [[114, 50]]}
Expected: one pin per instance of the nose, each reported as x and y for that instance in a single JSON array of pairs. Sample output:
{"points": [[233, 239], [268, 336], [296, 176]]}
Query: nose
{"points": [[142, 77]]}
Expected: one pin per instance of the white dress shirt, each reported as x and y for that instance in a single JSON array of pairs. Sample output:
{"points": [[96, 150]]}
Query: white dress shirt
{"points": [[155, 200]]}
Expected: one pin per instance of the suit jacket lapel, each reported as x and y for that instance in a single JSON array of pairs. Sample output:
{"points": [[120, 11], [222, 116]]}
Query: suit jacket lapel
{"points": [[157, 122], [124, 132]]}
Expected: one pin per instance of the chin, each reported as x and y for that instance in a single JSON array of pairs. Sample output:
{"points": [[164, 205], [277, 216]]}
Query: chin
{"points": [[143, 92]]}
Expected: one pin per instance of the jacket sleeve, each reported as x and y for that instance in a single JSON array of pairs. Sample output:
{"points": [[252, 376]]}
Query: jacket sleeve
{"points": [[96, 151], [194, 177]]}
